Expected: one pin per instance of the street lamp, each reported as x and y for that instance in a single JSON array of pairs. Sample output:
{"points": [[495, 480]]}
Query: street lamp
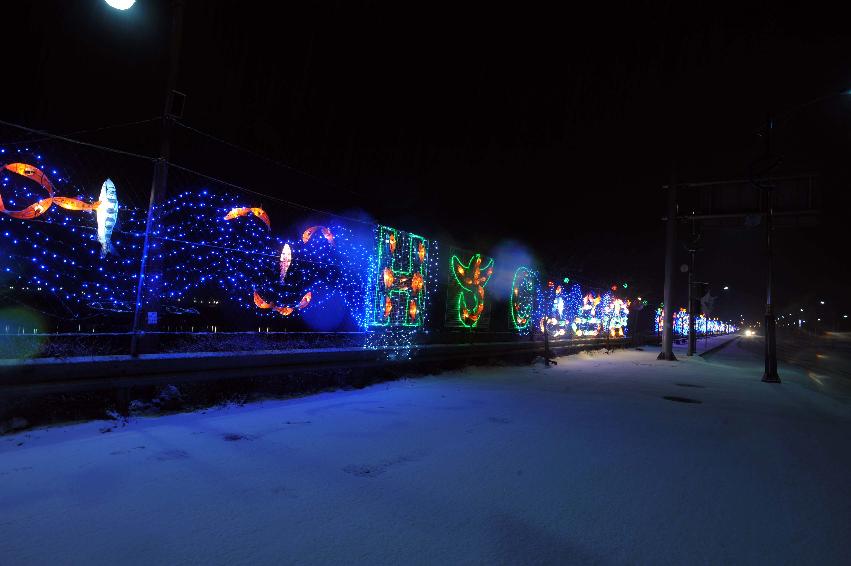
{"points": [[726, 288], [770, 374], [160, 176], [121, 4]]}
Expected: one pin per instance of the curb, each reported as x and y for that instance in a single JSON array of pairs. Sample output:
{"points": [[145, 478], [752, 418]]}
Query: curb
{"points": [[720, 346]]}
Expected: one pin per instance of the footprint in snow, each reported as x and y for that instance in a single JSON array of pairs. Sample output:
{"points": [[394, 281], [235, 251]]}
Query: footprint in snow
{"points": [[171, 455], [372, 470], [233, 437]]}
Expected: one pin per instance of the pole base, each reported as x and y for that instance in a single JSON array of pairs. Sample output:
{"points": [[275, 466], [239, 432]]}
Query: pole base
{"points": [[662, 356], [766, 378]]}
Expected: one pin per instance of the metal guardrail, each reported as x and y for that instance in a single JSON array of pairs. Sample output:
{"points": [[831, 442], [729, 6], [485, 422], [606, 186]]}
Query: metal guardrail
{"points": [[52, 375]]}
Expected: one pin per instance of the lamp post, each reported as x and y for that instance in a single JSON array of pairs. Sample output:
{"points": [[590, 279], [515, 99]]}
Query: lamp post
{"points": [[121, 4], [770, 373], [160, 177], [667, 352]]}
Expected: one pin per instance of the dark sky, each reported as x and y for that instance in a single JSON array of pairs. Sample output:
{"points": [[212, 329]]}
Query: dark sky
{"points": [[478, 123]]}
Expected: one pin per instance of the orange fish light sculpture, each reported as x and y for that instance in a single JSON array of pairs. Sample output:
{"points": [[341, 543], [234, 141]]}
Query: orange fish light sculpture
{"points": [[245, 211], [284, 311], [326, 233], [40, 207]]}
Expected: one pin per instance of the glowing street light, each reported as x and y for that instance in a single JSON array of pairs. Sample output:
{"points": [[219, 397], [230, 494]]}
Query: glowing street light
{"points": [[121, 4], [726, 288]]}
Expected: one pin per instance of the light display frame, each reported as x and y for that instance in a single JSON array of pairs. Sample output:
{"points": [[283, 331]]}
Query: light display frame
{"points": [[522, 298], [616, 317], [459, 314], [399, 279], [588, 321]]}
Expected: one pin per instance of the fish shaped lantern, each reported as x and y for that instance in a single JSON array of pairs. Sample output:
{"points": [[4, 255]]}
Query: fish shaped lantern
{"points": [[245, 210], [325, 232], [286, 260], [107, 216]]}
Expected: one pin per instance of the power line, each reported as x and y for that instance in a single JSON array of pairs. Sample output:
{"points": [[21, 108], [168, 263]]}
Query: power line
{"points": [[48, 135], [264, 195], [89, 131], [265, 158]]}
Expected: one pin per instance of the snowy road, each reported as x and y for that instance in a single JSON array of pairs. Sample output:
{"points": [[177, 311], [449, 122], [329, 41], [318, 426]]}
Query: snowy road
{"points": [[582, 463]]}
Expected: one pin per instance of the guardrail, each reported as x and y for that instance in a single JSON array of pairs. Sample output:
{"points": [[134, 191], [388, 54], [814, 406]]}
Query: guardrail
{"points": [[52, 375]]}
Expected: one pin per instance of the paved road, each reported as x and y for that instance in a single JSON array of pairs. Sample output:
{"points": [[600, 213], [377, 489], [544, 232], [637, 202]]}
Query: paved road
{"points": [[825, 360]]}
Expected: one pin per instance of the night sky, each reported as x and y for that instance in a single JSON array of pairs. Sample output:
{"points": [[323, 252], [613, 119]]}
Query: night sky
{"points": [[551, 127]]}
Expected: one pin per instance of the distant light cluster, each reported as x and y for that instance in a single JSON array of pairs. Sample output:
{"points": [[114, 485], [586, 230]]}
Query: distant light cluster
{"points": [[702, 324]]}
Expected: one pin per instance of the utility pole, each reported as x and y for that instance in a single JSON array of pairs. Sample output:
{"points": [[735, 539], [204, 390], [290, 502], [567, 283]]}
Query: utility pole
{"points": [[770, 375], [692, 311], [159, 183], [667, 352]]}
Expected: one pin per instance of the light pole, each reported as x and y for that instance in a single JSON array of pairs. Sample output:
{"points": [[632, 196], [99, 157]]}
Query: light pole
{"points": [[121, 4], [770, 373], [160, 177], [667, 352]]}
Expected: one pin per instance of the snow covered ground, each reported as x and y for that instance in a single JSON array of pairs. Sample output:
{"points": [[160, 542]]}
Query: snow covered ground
{"points": [[581, 463]]}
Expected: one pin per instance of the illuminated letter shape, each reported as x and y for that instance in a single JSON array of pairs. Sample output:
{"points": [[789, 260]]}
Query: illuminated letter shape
{"points": [[472, 278], [617, 317], [587, 322], [522, 297], [399, 282]]}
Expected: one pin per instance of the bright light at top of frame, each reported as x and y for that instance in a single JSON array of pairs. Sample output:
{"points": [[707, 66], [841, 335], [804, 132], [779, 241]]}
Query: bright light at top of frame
{"points": [[121, 4]]}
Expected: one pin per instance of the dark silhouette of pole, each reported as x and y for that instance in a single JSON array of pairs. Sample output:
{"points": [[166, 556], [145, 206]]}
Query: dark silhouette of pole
{"points": [[667, 352], [692, 311], [159, 182], [770, 374]]}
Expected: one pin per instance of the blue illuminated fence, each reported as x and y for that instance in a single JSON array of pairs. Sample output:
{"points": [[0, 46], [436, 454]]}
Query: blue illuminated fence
{"points": [[257, 271]]}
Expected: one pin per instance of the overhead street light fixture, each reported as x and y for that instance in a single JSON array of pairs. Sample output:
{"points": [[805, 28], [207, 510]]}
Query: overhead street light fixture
{"points": [[121, 4]]}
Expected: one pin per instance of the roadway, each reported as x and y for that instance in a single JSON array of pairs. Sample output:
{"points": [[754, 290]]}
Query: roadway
{"points": [[824, 360]]}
